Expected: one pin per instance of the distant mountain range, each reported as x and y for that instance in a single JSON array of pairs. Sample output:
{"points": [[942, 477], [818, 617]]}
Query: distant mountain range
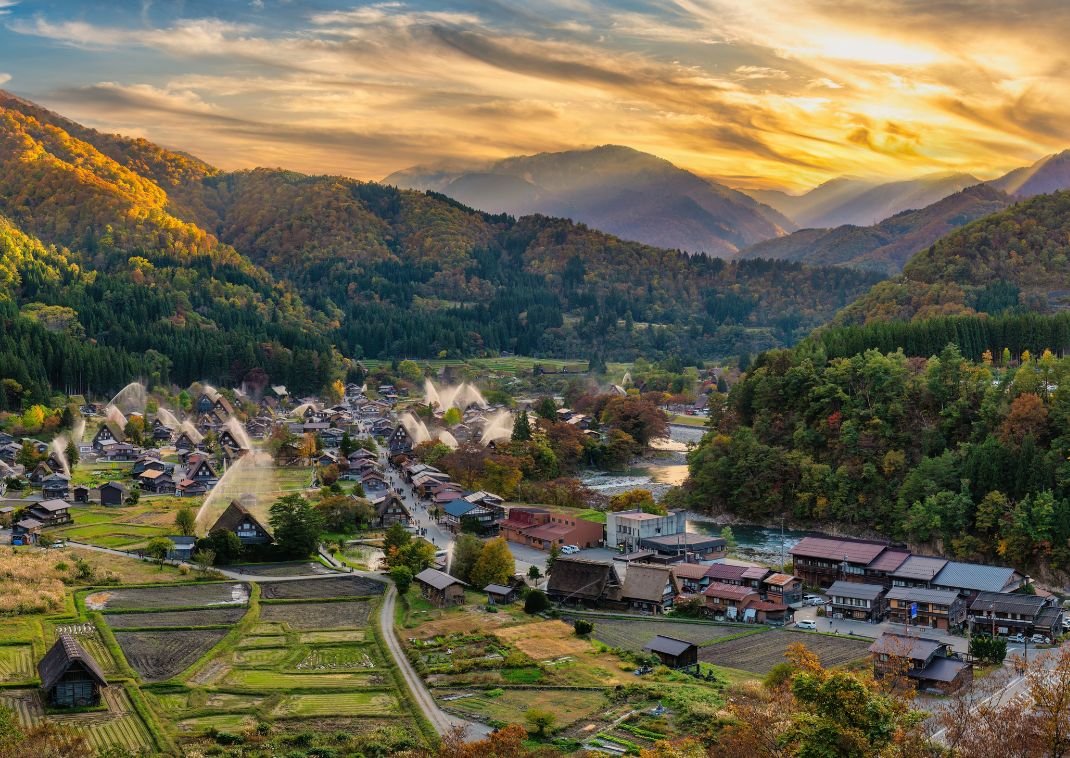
{"points": [[624, 192]]}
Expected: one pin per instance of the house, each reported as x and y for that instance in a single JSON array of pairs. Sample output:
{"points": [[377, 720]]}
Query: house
{"points": [[157, 482], [858, 601], [7, 513], [440, 588], [542, 528], [728, 573], [691, 576], [80, 494], [50, 512], [25, 531], [161, 432], [686, 545], [204, 472], [121, 451], [917, 571], [782, 588], [108, 433], [918, 606], [729, 600], [190, 488], [820, 561], [625, 529], [70, 678], [930, 663], [147, 462], [182, 548], [185, 441], [672, 652], [113, 493], [229, 441], [392, 510], [970, 579], [56, 486], [1007, 613], [649, 588], [400, 441], [577, 580], [456, 513], [501, 594], [40, 472], [244, 524]]}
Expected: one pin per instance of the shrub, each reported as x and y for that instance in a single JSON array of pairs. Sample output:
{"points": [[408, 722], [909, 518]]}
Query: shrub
{"points": [[536, 602], [778, 675], [183, 570], [583, 627]]}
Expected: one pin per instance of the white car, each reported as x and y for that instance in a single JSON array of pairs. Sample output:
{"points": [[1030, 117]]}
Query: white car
{"points": [[1017, 639], [1039, 639], [806, 624], [569, 550]]}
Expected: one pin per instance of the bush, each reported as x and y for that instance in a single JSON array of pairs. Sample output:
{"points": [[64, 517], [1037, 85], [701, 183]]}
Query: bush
{"points": [[778, 675], [536, 602], [583, 627]]}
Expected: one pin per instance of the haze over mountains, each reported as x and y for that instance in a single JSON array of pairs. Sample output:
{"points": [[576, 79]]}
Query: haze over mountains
{"points": [[618, 190]]}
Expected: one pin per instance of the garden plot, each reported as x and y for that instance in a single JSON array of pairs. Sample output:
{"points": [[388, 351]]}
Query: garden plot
{"points": [[260, 680], [308, 616], [16, 663], [544, 640], [634, 634], [202, 617], [338, 704], [172, 596], [118, 726], [160, 654], [267, 656], [758, 653], [309, 589], [334, 657], [223, 722], [347, 635], [508, 706], [255, 641]]}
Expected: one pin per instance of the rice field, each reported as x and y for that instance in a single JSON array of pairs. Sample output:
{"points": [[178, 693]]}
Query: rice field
{"points": [[118, 726], [338, 704], [339, 657], [224, 722], [568, 706], [268, 656], [16, 663], [633, 634], [759, 653], [259, 680]]}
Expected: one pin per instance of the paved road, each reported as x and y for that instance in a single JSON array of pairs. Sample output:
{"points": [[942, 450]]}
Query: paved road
{"points": [[442, 721]]}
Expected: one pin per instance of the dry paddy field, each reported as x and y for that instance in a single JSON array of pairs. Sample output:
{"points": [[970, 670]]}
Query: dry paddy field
{"points": [[307, 589], [201, 617], [634, 634], [163, 653], [172, 596], [309, 616], [758, 653]]}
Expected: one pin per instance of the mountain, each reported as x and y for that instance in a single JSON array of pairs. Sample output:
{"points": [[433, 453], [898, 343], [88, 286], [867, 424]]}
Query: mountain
{"points": [[887, 246], [1013, 260], [624, 192], [121, 260], [1049, 174], [860, 202]]}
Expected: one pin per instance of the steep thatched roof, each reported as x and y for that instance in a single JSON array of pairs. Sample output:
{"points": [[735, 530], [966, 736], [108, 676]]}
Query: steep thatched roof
{"points": [[65, 653]]}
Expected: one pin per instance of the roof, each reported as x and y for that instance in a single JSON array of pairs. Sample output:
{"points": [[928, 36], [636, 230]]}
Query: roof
{"points": [[1048, 616], [855, 590], [755, 572], [548, 531], [52, 506], [922, 595], [689, 570], [233, 516], [439, 580], [725, 571], [906, 646], [179, 540], [974, 576], [151, 473], [730, 591], [1006, 602], [646, 582], [940, 669], [497, 589], [889, 560], [779, 580], [668, 645], [61, 656], [684, 539], [853, 551], [920, 568], [581, 578], [458, 508], [113, 486]]}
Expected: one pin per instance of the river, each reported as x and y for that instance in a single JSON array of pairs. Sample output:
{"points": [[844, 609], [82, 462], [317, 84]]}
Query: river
{"points": [[666, 467]]}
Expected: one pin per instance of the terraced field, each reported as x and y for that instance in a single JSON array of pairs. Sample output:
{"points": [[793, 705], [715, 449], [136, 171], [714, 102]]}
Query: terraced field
{"points": [[119, 725], [172, 596], [567, 706], [16, 663], [318, 616], [308, 589], [340, 657], [338, 704], [202, 617], [162, 653], [260, 680], [633, 634], [759, 653]]}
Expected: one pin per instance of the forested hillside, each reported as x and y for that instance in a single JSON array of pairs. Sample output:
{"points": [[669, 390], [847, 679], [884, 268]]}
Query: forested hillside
{"points": [[1022, 250], [189, 273], [970, 457]]}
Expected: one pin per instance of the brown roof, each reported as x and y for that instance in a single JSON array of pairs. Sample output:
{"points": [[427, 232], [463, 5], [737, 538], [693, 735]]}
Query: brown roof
{"points": [[647, 582], [730, 591], [920, 568], [755, 572], [889, 560], [689, 570], [233, 516], [61, 656], [779, 580], [831, 549], [723, 571], [548, 531], [582, 579], [906, 646]]}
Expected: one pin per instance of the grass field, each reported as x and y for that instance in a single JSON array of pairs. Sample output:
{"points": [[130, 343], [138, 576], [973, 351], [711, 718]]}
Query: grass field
{"points": [[759, 653], [223, 722], [508, 366], [338, 704], [274, 680], [16, 663]]}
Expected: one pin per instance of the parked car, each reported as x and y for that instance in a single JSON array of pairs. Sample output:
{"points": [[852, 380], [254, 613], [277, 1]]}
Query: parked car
{"points": [[806, 624], [1018, 639], [813, 600], [1040, 639], [569, 549]]}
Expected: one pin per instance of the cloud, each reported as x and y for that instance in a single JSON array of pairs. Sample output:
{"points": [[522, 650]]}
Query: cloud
{"points": [[4, 78]]}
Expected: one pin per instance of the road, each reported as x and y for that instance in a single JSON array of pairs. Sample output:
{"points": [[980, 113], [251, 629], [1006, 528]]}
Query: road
{"points": [[440, 720]]}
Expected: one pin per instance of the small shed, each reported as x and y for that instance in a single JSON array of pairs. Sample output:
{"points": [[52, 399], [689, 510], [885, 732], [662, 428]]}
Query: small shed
{"points": [[181, 548], [672, 652], [70, 677], [440, 588], [500, 594], [25, 532], [81, 494], [112, 493]]}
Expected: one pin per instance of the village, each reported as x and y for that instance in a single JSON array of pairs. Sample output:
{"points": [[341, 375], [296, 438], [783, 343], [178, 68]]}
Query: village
{"points": [[195, 622]]}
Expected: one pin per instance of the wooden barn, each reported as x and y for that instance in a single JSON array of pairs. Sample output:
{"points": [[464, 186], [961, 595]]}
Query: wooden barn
{"points": [[70, 677]]}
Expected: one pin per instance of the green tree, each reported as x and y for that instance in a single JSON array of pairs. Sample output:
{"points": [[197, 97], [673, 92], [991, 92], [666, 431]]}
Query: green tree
{"points": [[296, 526], [339, 513], [533, 573], [402, 577], [416, 556], [495, 564], [729, 537], [396, 537], [204, 559], [452, 417], [158, 548], [636, 499], [539, 721], [466, 551], [224, 544], [409, 370], [547, 409], [71, 452], [521, 427], [536, 602], [185, 521], [551, 559], [582, 627]]}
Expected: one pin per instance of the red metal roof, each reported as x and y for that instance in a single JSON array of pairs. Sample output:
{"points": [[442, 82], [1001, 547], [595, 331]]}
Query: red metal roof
{"points": [[889, 560], [831, 549], [730, 591]]}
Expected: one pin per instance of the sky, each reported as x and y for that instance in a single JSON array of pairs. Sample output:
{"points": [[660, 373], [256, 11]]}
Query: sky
{"points": [[755, 93]]}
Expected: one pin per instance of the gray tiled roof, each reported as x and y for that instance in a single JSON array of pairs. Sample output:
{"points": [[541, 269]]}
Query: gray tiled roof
{"points": [[855, 590], [922, 595], [974, 576]]}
